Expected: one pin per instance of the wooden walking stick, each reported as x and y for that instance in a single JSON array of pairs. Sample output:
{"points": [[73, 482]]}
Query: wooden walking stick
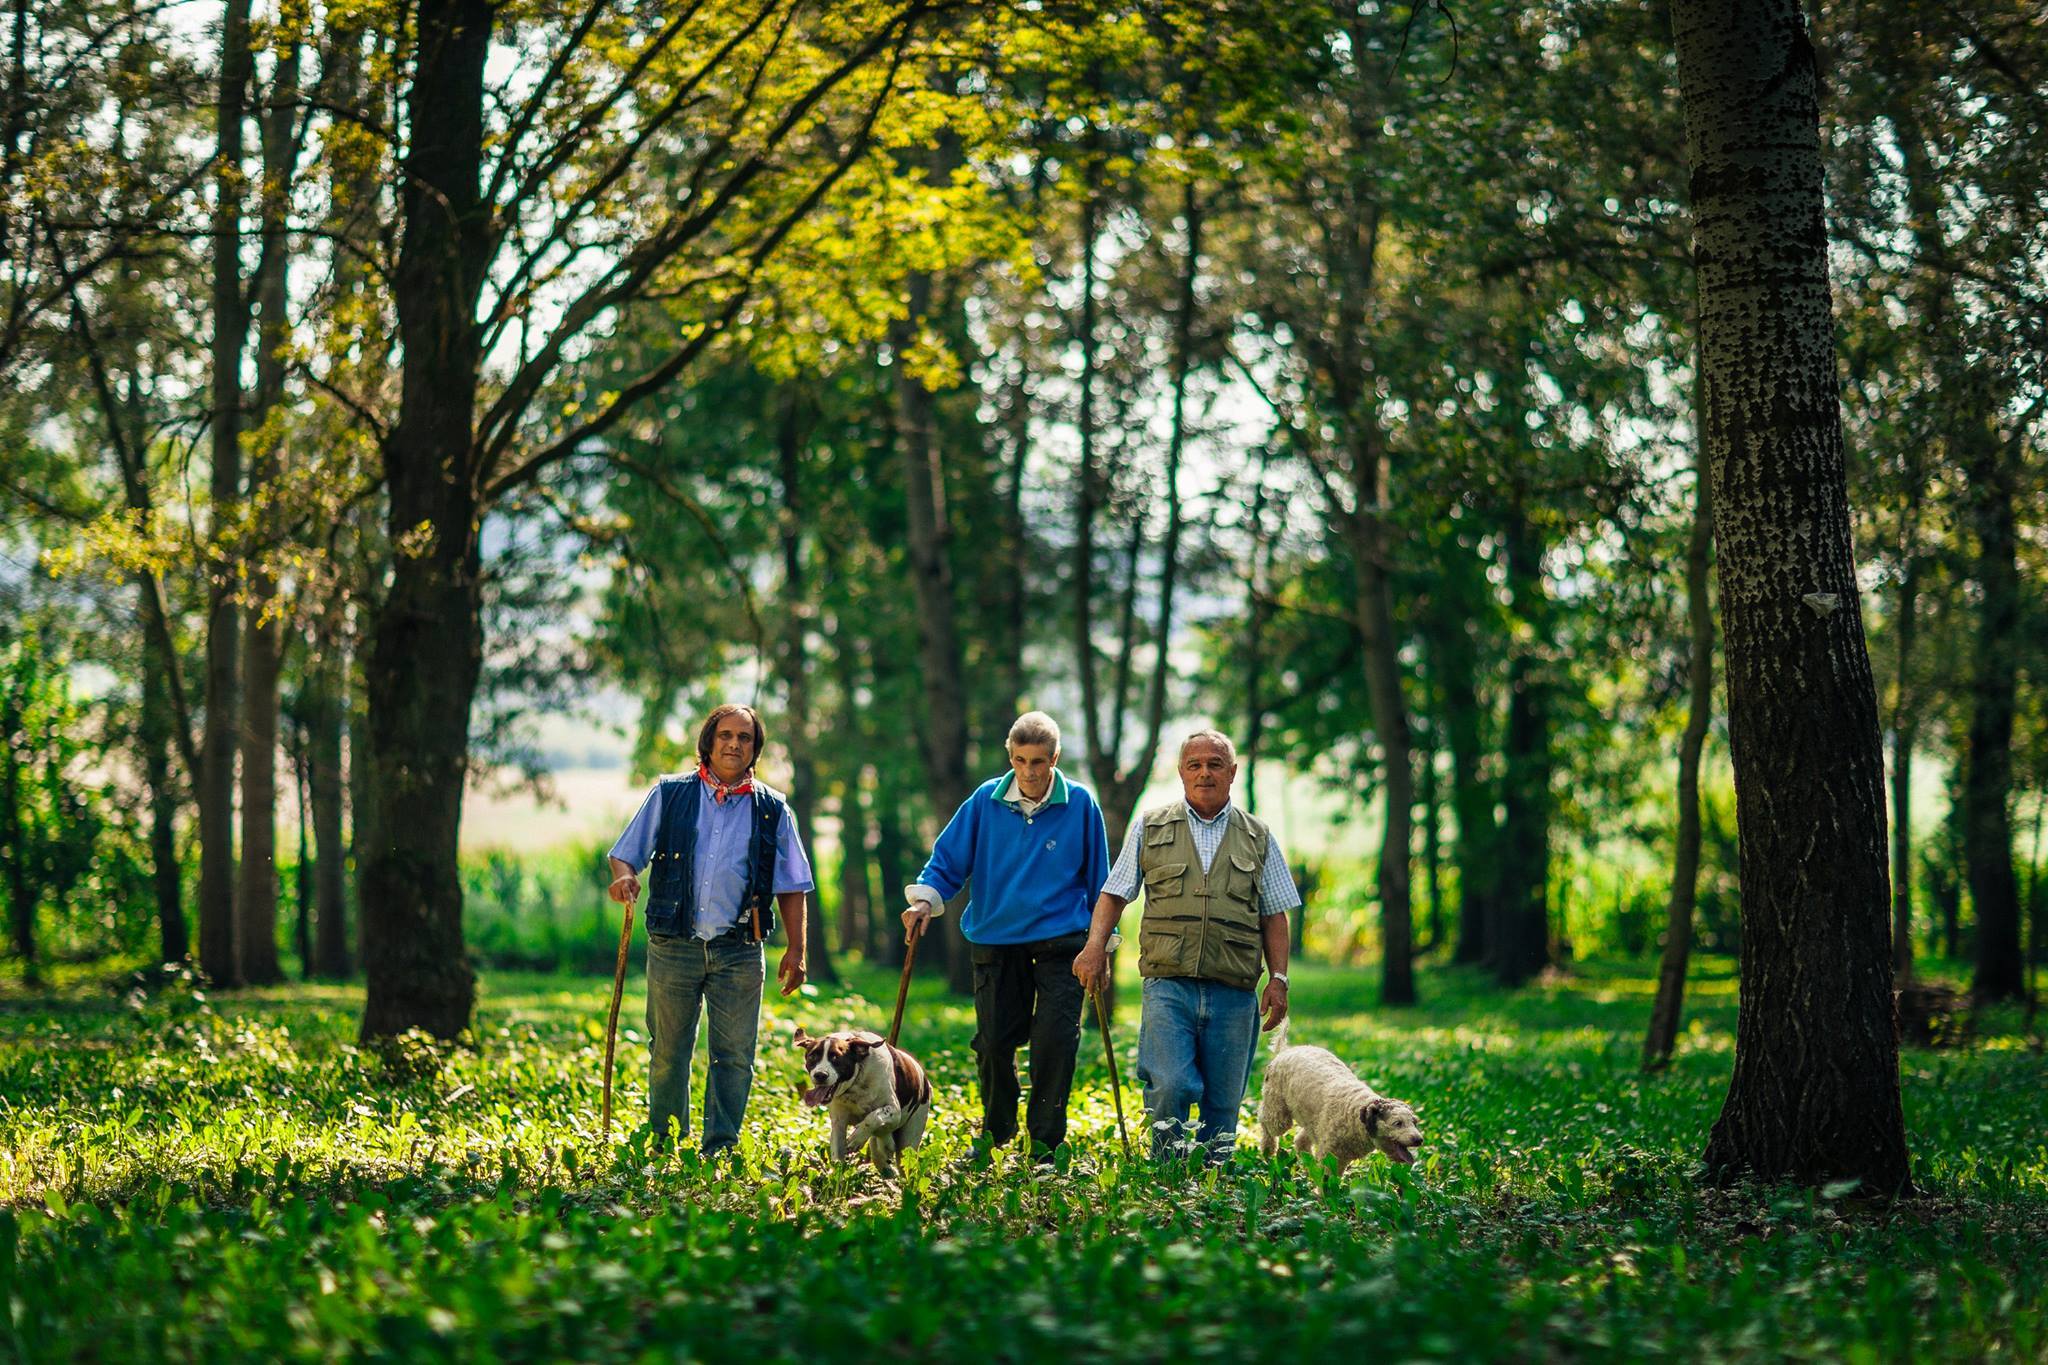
{"points": [[1116, 1088], [903, 986], [611, 1023]]}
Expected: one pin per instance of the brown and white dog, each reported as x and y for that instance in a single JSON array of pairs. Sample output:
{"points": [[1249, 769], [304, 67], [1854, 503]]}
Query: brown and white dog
{"points": [[874, 1094]]}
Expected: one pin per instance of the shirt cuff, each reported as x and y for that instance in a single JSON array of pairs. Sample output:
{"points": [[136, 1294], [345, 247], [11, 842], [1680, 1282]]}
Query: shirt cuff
{"points": [[933, 901]]}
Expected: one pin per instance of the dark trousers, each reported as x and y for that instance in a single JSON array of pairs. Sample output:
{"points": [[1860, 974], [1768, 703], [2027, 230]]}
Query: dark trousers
{"points": [[1027, 993]]}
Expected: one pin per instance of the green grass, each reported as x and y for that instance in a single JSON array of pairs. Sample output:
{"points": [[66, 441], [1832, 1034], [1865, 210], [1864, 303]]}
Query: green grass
{"points": [[233, 1178]]}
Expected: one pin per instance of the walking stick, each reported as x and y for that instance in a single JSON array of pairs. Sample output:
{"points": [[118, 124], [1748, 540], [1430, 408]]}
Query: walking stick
{"points": [[1116, 1087], [611, 1023], [903, 986]]}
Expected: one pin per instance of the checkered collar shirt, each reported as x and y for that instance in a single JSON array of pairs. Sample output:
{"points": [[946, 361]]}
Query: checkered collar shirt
{"points": [[1276, 895]]}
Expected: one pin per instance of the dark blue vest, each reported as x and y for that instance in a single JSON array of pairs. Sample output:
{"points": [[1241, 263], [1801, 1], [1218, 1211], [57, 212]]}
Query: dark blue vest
{"points": [[672, 880]]}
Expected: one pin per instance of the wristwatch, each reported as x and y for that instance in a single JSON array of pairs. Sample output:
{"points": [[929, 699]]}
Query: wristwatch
{"points": [[1280, 977]]}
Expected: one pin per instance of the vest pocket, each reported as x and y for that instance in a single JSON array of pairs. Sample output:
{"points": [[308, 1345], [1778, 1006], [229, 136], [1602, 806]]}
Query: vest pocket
{"points": [[1166, 946], [1165, 881], [1244, 879], [1237, 953]]}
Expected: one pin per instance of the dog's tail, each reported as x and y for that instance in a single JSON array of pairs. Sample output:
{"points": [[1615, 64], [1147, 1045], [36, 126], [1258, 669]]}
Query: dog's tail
{"points": [[1280, 1038]]}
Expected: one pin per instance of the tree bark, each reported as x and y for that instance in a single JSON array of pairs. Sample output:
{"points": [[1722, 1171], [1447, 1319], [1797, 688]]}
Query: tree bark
{"points": [[429, 624], [1472, 796], [1351, 251], [885, 940], [21, 895], [220, 954], [1518, 939], [1685, 863], [263, 650], [856, 894], [1432, 847], [324, 775], [157, 719], [302, 881], [943, 736], [1987, 764], [1815, 1093], [1905, 738], [796, 670]]}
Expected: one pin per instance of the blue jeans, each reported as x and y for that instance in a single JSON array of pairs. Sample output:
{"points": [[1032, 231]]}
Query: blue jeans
{"points": [[685, 974], [1195, 1045]]}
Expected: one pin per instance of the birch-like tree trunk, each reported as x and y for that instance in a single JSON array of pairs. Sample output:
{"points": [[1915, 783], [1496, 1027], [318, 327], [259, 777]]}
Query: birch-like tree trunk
{"points": [[1815, 1094]]}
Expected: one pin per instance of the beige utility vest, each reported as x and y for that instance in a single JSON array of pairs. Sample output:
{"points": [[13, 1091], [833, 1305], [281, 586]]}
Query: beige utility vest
{"points": [[1201, 924]]}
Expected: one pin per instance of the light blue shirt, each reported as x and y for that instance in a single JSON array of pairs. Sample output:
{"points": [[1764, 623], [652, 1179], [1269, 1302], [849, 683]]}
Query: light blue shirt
{"points": [[1277, 893], [723, 833]]}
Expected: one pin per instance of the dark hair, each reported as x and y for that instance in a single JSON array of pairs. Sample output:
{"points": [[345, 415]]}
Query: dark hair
{"points": [[711, 728]]}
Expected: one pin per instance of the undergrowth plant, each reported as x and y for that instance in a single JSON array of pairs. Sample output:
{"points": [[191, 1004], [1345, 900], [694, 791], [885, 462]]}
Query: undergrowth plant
{"points": [[192, 1177]]}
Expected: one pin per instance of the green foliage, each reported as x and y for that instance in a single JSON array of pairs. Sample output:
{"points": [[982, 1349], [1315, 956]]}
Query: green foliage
{"points": [[245, 1182], [541, 912], [74, 882]]}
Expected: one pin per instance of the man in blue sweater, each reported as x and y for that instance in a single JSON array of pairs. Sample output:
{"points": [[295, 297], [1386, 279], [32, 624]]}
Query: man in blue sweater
{"points": [[1030, 846]]}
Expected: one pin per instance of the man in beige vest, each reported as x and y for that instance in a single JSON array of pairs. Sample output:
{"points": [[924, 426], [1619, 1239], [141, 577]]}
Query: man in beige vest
{"points": [[1217, 893]]}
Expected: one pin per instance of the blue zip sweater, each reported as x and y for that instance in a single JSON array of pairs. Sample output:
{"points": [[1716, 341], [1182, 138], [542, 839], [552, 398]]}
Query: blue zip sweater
{"points": [[1030, 878]]}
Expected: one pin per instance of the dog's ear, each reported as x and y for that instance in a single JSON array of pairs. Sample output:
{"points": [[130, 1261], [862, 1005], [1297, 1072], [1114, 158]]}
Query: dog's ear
{"points": [[801, 1039], [1373, 1115], [858, 1047]]}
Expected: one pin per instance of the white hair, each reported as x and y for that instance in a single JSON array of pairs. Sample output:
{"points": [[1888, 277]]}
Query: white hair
{"points": [[1034, 727], [1215, 737]]}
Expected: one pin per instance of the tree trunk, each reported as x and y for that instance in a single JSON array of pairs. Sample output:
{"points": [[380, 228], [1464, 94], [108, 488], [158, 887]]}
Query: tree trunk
{"points": [[302, 881], [1518, 940], [1815, 1094], [220, 954], [158, 717], [256, 891], [429, 625], [362, 801], [263, 652], [1351, 248], [1472, 796], [21, 895], [1948, 889], [796, 670], [324, 774], [1390, 724], [885, 941], [1987, 763], [1905, 736], [856, 894], [1685, 863], [943, 735], [1432, 847], [1257, 611]]}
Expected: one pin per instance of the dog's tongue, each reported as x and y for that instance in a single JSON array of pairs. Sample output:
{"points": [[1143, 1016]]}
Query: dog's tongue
{"points": [[817, 1095], [1404, 1155]]}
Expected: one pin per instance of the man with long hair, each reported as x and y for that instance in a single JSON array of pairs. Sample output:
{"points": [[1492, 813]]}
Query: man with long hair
{"points": [[724, 859]]}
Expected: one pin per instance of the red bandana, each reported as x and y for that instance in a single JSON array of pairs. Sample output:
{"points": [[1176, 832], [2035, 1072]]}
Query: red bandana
{"points": [[719, 790]]}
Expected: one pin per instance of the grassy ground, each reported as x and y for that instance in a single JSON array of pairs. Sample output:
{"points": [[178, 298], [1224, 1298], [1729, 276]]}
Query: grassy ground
{"points": [[233, 1178]]}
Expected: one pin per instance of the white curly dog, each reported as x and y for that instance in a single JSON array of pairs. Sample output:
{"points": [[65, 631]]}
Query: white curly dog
{"points": [[1338, 1114]]}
